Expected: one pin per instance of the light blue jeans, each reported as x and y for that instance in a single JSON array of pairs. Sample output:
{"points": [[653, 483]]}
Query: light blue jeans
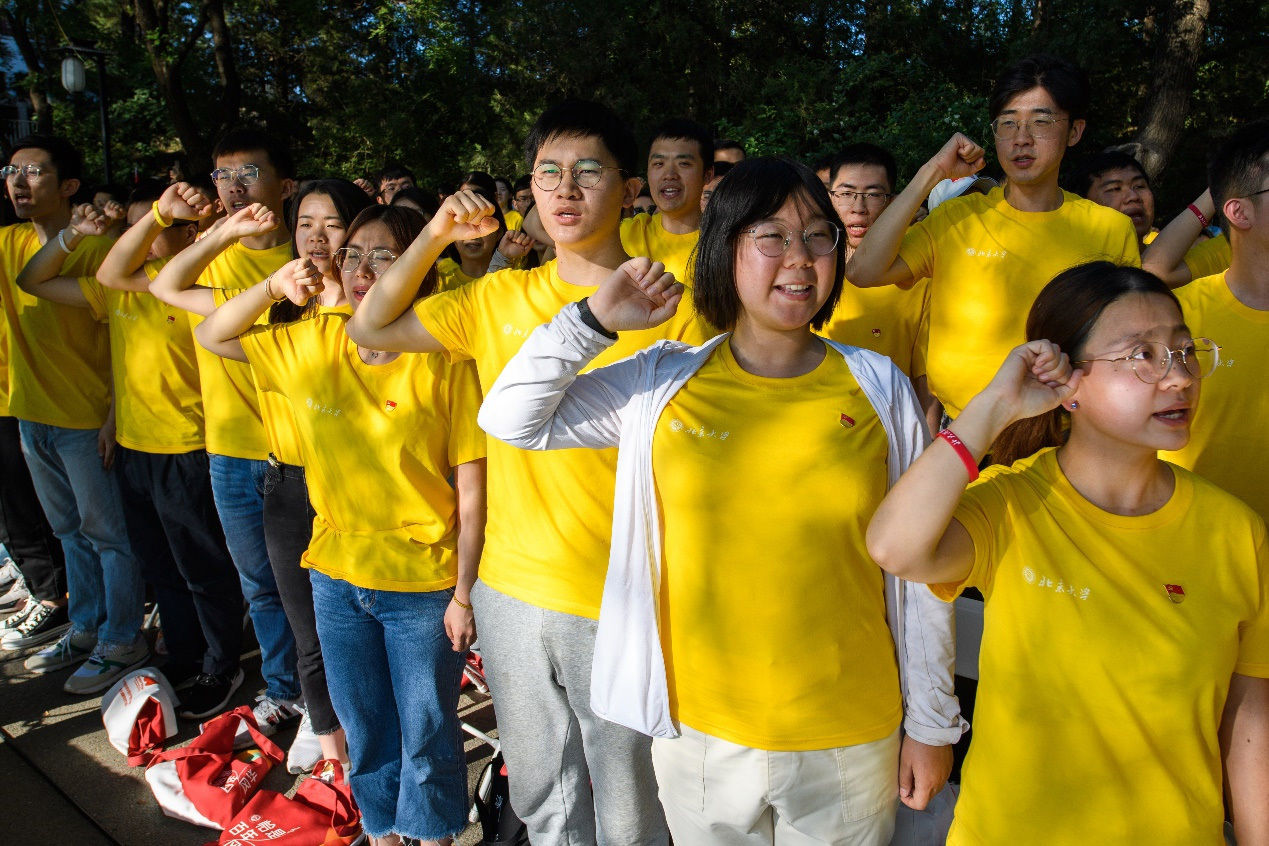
{"points": [[394, 680], [238, 489], [85, 509]]}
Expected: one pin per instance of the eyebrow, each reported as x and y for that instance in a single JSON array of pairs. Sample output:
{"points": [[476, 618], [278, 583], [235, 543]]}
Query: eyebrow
{"points": [[852, 186], [1043, 110]]}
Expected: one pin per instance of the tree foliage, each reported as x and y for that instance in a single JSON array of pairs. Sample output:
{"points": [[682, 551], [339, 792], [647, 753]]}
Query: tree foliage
{"points": [[453, 86]]}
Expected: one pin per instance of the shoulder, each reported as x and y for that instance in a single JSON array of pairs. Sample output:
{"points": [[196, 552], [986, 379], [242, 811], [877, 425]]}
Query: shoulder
{"points": [[1227, 511], [866, 363], [1201, 291], [1095, 214]]}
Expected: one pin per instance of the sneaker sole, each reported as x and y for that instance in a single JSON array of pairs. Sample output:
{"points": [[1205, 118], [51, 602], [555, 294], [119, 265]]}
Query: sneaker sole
{"points": [[101, 683], [233, 688], [42, 638]]}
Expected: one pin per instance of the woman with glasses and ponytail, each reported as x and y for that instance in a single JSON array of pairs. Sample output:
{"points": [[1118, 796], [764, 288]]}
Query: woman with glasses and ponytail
{"points": [[1125, 651], [743, 624], [395, 542]]}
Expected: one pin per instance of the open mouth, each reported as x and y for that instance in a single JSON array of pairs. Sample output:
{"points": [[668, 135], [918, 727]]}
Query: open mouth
{"points": [[568, 217], [359, 292], [796, 291], [1174, 416]]}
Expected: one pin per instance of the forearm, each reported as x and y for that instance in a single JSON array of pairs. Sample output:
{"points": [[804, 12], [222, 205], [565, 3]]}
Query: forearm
{"points": [[872, 262], [378, 321], [533, 226], [123, 266], [47, 262], [469, 486], [1165, 256], [220, 331], [182, 272], [908, 529], [1245, 743]]}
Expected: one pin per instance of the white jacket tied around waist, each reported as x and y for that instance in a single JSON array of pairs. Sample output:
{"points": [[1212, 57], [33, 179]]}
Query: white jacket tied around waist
{"points": [[540, 402]]}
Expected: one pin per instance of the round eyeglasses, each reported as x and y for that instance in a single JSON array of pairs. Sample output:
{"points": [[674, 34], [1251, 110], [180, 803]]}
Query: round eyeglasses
{"points": [[585, 172], [1152, 361], [248, 174], [378, 260], [773, 238]]}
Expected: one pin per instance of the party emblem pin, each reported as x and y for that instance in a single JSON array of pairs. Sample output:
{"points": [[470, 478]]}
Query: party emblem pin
{"points": [[847, 421], [171, 318], [389, 406], [876, 333], [1176, 593]]}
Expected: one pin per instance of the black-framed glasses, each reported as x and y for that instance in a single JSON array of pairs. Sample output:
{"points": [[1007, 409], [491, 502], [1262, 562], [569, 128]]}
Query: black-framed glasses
{"points": [[248, 174], [1249, 196], [585, 172], [772, 238], [870, 198], [30, 171], [1041, 127], [348, 259], [1152, 361]]}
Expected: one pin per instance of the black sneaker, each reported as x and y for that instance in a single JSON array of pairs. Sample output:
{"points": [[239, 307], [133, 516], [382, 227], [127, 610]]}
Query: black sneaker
{"points": [[181, 675], [42, 624], [209, 695]]}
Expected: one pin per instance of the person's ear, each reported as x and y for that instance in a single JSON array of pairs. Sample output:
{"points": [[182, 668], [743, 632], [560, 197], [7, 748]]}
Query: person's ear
{"points": [[68, 188], [191, 234], [634, 185], [287, 188], [1076, 133], [1239, 213]]}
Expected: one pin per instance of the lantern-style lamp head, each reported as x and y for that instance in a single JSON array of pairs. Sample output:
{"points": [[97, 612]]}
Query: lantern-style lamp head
{"points": [[73, 74]]}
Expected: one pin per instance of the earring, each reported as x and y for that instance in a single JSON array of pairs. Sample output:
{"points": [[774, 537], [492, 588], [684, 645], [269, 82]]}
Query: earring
{"points": [[1074, 404]]}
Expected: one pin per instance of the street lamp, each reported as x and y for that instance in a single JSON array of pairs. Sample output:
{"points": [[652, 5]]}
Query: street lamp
{"points": [[73, 80]]}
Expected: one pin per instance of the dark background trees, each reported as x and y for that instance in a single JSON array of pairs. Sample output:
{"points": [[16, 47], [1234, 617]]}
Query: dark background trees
{"points": [[452, 86]]}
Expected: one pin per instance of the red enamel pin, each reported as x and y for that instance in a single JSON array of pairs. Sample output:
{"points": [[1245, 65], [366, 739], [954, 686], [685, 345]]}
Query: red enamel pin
{"points": [[1176, 593], [390, 406], [847, 421]]}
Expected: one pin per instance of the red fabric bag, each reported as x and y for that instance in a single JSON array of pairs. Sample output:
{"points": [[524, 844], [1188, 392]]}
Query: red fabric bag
{"points": [[139, 714], [207, 783], [322, 813]]}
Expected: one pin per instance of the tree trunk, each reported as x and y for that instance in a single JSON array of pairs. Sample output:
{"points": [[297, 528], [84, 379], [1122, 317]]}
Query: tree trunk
{"points": [[226, 67], [153, 21], [42, 111], [1172, 73]]}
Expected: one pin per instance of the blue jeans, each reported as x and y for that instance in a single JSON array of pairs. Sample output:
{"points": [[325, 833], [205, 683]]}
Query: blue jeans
{"points": [[82, 502], [238, 490], [394, 679]]}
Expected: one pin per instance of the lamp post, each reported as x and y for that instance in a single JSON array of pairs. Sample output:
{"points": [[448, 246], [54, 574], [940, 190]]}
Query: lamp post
{"points": [[73, 81]]}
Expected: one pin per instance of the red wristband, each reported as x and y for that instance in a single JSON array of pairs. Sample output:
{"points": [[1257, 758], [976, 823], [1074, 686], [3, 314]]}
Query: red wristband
{"points": [[962, 452], [1203, 221]]}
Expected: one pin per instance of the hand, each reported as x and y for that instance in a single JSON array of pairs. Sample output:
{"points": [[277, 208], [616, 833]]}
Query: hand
{"points": [[106, 442], [367, 186], [515, 244], [1035, 377], [255, 219], [923, 770], [113, 210], [182, 201], [464, 216], [460, 626], [638, 295], [86, 220], [299, 279], [958, 157]]}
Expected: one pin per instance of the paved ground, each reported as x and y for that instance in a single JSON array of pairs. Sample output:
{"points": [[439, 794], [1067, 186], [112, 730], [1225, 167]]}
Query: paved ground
{"points": [[58, 764]]}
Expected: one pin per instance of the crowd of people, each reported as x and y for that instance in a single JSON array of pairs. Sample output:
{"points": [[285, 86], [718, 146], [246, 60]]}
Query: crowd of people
{"points": [[679, 456]]}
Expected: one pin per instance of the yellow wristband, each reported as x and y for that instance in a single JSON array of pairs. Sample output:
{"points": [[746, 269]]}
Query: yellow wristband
{"points": [[158, 218], [460, 603]]}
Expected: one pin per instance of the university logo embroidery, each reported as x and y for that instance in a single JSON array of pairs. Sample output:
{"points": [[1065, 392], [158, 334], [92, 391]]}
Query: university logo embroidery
{"points": [[1176, 593], [847, 421], [389, 406]]}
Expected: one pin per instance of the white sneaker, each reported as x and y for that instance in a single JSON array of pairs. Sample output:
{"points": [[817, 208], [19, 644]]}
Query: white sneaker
{"points": [[74, 648], [306, 750], [15, 597], [108, 663], [9, 573], [270, 714]]}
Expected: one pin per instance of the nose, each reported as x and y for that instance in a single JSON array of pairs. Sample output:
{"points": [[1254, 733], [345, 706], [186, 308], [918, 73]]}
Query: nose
{"points": [[1178, 375], [798, 254], [568, 186]]}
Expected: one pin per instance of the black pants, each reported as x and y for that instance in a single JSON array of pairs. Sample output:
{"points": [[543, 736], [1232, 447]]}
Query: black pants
{"points": [[24, 530], [288, 528], [176, 536]]}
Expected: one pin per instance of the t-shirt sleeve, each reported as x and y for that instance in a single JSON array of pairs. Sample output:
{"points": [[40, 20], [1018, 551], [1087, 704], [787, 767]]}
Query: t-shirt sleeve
{"points": [[1208, 258], [466, 439], [1129, 251], [95, 293], [1253, 649], [983, 511], [271, 352], [917, 248], [450, 317]]}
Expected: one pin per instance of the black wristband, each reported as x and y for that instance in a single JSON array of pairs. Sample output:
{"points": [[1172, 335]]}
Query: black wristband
{"points": [[592, 322]]}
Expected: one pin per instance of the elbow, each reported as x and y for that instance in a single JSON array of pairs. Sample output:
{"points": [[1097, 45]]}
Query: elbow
{"points": [[893, 556], [357, 332], [498, 420], [205, 337]]}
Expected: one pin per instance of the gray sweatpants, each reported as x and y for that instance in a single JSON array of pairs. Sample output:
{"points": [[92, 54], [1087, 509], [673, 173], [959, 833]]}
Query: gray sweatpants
{"points": [[576, 779]]}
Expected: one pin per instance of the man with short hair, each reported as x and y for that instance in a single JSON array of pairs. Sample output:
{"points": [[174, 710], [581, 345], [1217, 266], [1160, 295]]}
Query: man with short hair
{"points": [[726, 150], [988, 256], [392, 179], [57, 372], [1114, 179], [680, 158], [575, 777]]}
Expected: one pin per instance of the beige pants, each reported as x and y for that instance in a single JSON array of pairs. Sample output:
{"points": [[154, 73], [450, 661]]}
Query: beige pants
{"points": [[716, 793]]}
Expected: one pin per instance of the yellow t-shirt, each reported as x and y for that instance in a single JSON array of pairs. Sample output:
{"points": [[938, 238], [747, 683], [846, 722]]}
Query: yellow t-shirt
{"points": [[550, 513], [987, 261], [761, 529], [449, 275], [643, 235], [1209, 257], [513, 218], [158, 404], [1228, 440], [1107, 651], [380, 443], [55, 364], [230, 401], [886, 319]]}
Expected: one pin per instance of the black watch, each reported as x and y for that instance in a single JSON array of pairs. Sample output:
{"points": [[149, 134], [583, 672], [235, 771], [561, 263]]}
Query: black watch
{"points": [[592, 322]]}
